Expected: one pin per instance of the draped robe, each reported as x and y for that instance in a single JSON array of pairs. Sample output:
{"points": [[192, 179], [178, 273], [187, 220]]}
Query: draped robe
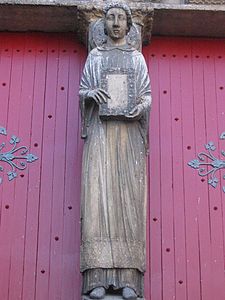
{"points": [[113, 192]]}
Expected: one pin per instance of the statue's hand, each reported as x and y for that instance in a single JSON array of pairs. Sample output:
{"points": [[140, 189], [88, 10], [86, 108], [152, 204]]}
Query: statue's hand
{"points": [[136, 112], [99, 96]]}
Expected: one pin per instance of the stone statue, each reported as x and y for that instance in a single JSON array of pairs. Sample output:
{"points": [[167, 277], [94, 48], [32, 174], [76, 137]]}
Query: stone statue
{"points": [[115, 101]]}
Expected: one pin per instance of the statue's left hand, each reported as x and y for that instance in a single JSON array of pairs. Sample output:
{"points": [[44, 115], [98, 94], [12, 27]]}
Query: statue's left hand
{"points": [[136, 112]]}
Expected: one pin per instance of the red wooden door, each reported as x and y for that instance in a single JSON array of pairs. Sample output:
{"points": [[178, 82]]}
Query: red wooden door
{"points": [[39, 222], [39, 229], [186, 214]]}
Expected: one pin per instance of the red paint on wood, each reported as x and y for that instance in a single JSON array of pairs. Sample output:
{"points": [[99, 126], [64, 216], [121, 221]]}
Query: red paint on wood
{"points": [[25, 102], [201, 187], [192, 233], [211, 111], [33, 204], [39, 224], [39, 229], [196, 106], [155, 280], [177, 161], [6, 192]]}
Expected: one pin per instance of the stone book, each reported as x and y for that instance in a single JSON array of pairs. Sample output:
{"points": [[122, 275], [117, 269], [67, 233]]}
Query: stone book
{"points": [[121, 88]]}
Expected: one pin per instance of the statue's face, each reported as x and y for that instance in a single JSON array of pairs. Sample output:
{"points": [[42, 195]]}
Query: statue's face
{"points": [[116, 23]]}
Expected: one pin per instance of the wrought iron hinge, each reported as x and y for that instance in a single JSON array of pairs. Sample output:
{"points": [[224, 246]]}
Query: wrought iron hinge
{"points": [[17, 158], [207, 164]]}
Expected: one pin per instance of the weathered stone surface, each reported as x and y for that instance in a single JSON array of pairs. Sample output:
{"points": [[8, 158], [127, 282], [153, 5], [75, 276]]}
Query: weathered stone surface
{"points": [[189, 20], [88, 12], [97, 36], [169, 1], [209, 2], [118, 89], [64, 15], [114, 162], [37, 18]]}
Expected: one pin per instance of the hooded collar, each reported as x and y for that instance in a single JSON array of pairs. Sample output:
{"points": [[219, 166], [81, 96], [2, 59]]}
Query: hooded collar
{"points": [[106, 47]]}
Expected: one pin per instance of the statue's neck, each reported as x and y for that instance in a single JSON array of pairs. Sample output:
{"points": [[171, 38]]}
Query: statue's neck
{"points": [[116, 43], [107, 47]]}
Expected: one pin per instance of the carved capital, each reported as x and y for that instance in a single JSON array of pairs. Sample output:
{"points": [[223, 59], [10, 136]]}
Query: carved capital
{"points": [[86, 14], [142, 14]]}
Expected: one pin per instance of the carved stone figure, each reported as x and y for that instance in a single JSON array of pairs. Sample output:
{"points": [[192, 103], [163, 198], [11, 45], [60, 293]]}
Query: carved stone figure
{"points": [[115, 100]]}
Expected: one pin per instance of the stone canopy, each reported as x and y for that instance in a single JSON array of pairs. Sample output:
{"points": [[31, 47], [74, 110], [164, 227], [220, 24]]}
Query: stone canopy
{"points": [[165, 17]]}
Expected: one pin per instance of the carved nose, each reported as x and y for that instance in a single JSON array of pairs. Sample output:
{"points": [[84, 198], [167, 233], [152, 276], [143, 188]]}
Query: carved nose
{"points": [[116, 22]]}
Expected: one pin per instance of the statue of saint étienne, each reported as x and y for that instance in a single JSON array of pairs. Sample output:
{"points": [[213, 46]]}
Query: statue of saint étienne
{"points": [[115, 101]]}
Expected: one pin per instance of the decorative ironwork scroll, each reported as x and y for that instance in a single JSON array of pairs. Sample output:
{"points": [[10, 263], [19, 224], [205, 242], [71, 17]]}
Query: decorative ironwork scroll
{"points": [[208, 164], [16, 158]]}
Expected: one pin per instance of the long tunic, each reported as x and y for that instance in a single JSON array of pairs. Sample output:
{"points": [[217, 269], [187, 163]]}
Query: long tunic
{"points": [[113, 198]]}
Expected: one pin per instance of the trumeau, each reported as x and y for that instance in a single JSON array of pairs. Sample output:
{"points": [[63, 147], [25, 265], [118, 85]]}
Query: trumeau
{"points": [[115, 99]]}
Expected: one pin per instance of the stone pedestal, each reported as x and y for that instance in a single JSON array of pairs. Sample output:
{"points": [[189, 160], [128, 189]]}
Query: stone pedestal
{"points": [[109, 297]]}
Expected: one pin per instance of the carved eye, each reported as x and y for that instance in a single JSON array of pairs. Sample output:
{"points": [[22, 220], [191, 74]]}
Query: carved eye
{"points": [[122, 17], [110, 17]]}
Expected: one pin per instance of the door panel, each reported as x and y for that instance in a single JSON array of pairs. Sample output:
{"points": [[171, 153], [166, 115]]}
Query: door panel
{"points": [[39, 224], [186, 214], [39, 232]]}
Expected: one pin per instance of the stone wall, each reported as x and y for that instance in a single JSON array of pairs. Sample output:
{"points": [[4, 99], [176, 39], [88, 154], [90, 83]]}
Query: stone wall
{"points": [[199, 18], [206, 2], [201, 2]]}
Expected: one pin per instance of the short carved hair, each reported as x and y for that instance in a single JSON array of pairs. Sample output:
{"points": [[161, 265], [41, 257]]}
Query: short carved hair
{"points": [[122, 5]]}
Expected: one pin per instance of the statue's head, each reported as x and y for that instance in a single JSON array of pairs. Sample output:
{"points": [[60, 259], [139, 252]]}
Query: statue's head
{"points": [[118, 20]]}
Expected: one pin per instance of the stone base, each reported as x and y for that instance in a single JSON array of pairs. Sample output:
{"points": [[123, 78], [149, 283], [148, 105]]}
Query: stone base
{"points": [[109, 297]]}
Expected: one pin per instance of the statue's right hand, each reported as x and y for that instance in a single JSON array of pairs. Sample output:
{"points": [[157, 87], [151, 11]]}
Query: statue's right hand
{"points": [[99, 96]]}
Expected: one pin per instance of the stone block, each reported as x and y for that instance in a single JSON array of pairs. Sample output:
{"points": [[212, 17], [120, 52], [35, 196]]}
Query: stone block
{"points": [[207, 2]]}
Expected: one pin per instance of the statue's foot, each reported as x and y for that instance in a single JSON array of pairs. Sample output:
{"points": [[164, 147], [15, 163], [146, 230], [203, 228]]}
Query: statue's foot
{"points": [[129, 294], [97, 293]]}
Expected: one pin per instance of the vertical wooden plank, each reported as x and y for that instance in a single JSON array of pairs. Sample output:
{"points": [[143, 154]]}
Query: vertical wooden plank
{"points": [[220, 92], [36, 45], [7, 220], [21, 183], [71, 241], [188, 132], [4, 101], [214, 194], [5, 66], [198, 49], [6, 197], [147, 282], [147, 278], [56, 235], [154, 185], [166, 175], [46, 194], [176, 54]]}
